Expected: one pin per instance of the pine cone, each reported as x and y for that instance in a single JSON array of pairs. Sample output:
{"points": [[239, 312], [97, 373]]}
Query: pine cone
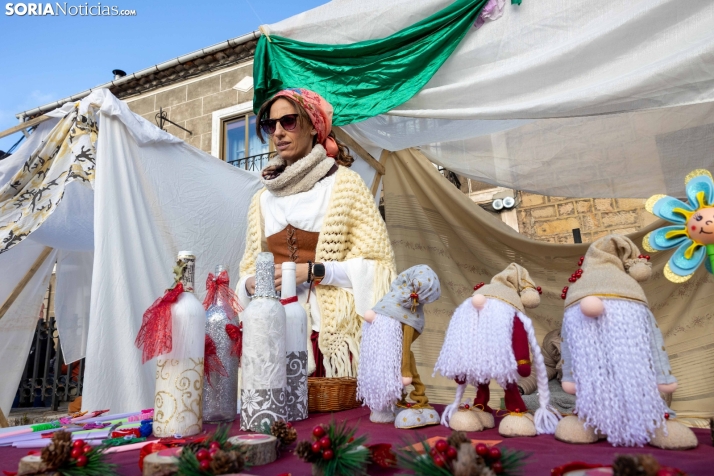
{"points": [[56, 454], [626, 465], [486, 471], [467, 461], [648, 465], [304, 452], [456, 438], [285, 434], [226, 462]]}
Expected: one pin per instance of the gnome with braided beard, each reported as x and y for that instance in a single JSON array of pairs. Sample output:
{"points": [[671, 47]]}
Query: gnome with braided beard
{"points": [[488, 339], [613, 353], [387, 364]]}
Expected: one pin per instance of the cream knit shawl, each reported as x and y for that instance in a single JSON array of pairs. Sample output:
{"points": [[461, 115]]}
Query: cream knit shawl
{"points": [[352, 228]]}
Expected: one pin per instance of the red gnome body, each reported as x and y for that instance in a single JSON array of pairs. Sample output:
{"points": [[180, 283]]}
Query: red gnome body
{"points": [[490, 338]]}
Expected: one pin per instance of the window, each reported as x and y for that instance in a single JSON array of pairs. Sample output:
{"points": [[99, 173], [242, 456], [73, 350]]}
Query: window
{"points": [[241, 145]]}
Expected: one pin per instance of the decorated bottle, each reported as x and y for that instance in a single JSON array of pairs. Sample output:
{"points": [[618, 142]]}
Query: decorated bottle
{"points": [[220, 383], [263, 360], [179, 373], [295, 346]]}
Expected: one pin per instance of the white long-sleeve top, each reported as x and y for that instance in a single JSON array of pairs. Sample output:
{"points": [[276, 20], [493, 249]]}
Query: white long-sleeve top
{"points": [[306, 211]]}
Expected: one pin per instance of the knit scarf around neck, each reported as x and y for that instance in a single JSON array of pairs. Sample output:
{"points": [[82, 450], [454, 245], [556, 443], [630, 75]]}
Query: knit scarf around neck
{"points": [[301, 176]]}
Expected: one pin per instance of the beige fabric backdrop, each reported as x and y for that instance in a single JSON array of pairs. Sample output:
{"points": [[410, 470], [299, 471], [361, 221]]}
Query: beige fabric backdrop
{"points": [[431, 222]]}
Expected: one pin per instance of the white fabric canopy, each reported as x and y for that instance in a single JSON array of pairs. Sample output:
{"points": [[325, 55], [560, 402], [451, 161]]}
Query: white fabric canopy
{"points": [[577, 98]]}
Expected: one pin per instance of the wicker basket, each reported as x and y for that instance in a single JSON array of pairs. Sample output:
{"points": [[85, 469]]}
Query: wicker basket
{"points": [[331, 394]]}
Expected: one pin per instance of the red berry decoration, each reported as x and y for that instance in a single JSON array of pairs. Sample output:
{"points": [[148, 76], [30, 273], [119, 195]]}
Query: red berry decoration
{"points": [[214, 445], [409, 405], [325, 442], [466, 406], [82, 461], [497, 467], [316, 448], [212, 452], [318, 432], [205, 464], [451, 453], [441, 446], [494, 453], [78, 444], [289, 425], [86, 449], [439, 461], [76, 453], [327, 455], [481, 450], [666, 416], [433, 452], [647, 257], [563, 296], [539, 289], [202, 454]]}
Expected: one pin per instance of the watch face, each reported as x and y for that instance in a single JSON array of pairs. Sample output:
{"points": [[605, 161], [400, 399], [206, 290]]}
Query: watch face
{"points": [[318, 270]]}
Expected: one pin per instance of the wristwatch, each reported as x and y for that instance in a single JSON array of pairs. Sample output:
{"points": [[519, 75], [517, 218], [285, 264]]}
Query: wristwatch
{"points": [[318, 272]]}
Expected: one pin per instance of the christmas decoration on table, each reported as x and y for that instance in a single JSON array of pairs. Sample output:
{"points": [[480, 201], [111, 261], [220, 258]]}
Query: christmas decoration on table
{"points": [[214, 455], [295, 346], [67, 458], [624, 465], [387, 364], [263, 360], [613, 353], [222, 348], [457, 456], [283, 431], [334, 451], [173, 330], [692, 229], [488, 338], [382, 455]]}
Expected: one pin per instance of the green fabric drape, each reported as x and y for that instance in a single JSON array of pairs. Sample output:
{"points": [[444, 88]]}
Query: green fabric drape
{"points": [[362, 80]]}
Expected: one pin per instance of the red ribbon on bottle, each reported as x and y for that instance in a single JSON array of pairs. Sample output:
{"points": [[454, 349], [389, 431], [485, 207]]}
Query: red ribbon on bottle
{"points": [[235, 333], [289, 300], [155, 334], [211, 361], [219, 286]]}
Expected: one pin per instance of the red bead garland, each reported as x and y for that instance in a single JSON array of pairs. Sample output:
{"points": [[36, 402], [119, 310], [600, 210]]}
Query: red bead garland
{"points": [[478, 286]]}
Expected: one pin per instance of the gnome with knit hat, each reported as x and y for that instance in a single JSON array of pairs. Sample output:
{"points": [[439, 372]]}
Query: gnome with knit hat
{"points": [[488, 338], [387, 363], [613, 353]]}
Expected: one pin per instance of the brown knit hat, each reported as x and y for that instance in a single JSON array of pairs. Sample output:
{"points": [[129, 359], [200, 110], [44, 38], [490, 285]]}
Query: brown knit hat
{"points": [[513, 286], [612, 268]]}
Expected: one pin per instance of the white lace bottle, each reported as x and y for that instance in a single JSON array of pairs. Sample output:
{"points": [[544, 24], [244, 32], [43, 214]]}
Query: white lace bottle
{"points": [[295, 346]]}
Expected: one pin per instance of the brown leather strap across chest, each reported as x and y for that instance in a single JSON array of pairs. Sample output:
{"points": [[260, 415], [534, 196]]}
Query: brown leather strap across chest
{"points": [[293, 244]]}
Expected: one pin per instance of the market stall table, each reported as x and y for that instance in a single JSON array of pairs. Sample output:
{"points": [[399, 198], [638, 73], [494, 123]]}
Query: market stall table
{"points": [[547, 452]]}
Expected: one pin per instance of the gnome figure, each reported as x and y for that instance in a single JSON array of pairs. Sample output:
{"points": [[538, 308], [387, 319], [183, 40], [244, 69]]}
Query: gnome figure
{"points": [[387, 363], [488, 338], [614, 357]]}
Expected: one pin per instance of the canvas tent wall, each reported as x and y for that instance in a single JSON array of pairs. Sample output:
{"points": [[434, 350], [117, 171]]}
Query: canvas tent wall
{"points": [[577, 98]]}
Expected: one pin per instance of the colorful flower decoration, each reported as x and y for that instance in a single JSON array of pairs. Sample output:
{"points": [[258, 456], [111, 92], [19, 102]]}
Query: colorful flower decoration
{"points": [[692, 232]]}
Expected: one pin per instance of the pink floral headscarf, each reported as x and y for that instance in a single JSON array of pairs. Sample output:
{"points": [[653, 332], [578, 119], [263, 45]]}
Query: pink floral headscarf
{"points": [[320, 112]]}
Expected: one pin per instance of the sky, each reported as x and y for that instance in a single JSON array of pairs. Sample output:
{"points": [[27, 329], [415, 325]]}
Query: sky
{"points": [[47, 58]]}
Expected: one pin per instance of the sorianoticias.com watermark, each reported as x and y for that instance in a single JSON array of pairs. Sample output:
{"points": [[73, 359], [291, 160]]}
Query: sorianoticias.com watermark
{"points": [[65, 9]]}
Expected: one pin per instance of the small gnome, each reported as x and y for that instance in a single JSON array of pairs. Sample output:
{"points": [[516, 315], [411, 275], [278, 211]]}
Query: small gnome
{"points": [[387, 363], [488, 338], [614, 356]]}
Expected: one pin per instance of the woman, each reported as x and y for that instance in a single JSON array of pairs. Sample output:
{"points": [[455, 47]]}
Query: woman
{"points": [[318, 213]]}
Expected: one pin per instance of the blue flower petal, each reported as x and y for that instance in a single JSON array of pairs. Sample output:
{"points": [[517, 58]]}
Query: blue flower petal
{"points": [[702, 183], [664, 208], [658, 240], [683, 266]]}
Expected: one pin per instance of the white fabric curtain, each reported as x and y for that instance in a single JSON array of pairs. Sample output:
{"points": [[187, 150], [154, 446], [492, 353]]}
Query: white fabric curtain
{"points": [[73, 278], [158, 196], [577, 98]]}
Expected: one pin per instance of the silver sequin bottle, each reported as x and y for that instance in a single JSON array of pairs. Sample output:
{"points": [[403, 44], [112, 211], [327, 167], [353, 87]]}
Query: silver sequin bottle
{"points": [[296, 346], [220, 396], [263, 366]]}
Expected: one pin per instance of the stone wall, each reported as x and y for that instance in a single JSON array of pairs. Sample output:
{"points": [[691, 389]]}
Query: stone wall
{"points": [[552, 219], [192, 102]]}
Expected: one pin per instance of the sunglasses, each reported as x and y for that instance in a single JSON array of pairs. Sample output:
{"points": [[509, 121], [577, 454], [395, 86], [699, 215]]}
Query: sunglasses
{"points": [[288, 122]]}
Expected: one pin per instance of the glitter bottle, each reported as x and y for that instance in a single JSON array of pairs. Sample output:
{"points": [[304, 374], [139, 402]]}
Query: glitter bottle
{"points": [[296, 346]]}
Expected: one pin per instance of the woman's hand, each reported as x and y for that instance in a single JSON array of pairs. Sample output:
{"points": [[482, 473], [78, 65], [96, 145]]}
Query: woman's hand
{"points": [[250, 285], [300, 277], [301, 273]]}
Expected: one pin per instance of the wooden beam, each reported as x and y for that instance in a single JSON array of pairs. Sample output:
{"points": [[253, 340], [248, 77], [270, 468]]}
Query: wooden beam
{"points": [[24, 125], [377, 175], [23, 282], [352, 144]]}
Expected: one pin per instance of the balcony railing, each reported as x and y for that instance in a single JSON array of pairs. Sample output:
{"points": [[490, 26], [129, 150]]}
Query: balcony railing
{"points": [[254, 163]]}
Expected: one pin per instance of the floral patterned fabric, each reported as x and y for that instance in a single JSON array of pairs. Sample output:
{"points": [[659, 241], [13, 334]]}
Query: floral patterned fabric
{"points": [[32, 195]]}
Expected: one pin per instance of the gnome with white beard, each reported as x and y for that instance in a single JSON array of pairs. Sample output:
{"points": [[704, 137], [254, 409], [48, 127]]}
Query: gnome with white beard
{"points": [[614, 356], [387, 364], [490, 338]]}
